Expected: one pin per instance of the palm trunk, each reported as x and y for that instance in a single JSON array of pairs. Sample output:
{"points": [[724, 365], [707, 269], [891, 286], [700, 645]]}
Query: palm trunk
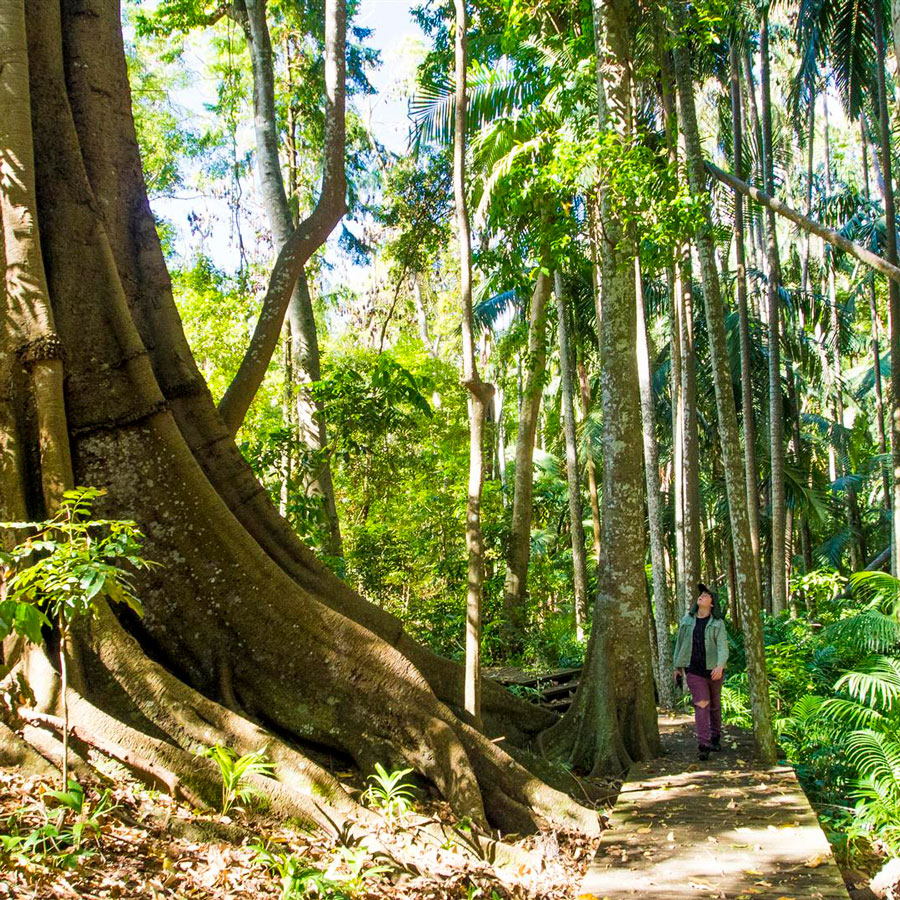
{"points": [[776, 411], [515, 586], [810, 153], [665, 673], [876, 329], [667, 99], [727, 419], [593, 491], [690, 461], [576, 516], [894, 295], [743, 317]]}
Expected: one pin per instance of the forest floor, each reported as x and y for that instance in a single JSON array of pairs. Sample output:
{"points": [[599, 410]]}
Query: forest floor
{"points": [[148, 845]]}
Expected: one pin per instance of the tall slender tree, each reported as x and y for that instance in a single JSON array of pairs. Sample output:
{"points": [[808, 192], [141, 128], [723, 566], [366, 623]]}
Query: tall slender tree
{"points": [[778, 578], [663, 650], [576, 516], [304, 340], [735, 483], [479, 393], [747, 413], [515, 586]]}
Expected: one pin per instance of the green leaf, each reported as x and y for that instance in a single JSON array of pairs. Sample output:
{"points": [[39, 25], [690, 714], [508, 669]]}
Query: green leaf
{"points": [[29, 621]]}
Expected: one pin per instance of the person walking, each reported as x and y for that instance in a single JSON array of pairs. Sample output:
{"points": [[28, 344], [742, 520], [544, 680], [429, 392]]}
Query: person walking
{"points": [[701, 652]]}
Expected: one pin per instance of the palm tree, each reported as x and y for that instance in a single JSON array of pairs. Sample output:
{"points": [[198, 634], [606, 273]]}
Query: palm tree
{"points": [[748, 592]]}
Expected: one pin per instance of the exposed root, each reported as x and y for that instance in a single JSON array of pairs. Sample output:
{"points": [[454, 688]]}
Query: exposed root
{"points": [[194, 722], [51, 749], [150, 771], [15, 751]]}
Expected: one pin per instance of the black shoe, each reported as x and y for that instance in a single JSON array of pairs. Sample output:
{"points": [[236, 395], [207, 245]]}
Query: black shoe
{"points": [[716, 745], [703, 753]]}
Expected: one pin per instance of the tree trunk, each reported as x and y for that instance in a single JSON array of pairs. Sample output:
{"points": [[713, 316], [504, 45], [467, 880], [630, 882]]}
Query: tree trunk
{"points": [[302, 324], [876, 351], [591, 467], [810, 154], [747, 416], [29, 313], [613, 715], [727, 420], [515, 586], [479, 392], [576, 516], [776, 405], [894, 295], [660, 610], [884, 266], [299, 244], [142, 424], [670, 120], [690, 439]]}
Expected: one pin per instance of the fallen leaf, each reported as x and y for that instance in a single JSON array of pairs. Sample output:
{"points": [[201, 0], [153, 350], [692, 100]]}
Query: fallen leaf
{"points": [[645, 830], [815, 861], [751, 872]]}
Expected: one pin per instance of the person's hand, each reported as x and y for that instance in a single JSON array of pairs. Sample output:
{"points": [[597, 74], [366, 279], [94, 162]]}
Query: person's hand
{"points": [[677, 672], [716, 673]]}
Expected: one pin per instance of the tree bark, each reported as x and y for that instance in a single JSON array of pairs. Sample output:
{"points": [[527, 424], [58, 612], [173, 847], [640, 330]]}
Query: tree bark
{"points": [[613, 715], [28, 309], [515, 587], [884, 266], [576, 515], [776, 404], [593, 491], [141, 424], [301, 242], [747, 416], [890, 216], [663, 650], [690, 438], [304, 339], [479, 393], [748, 592], [876, 350]]}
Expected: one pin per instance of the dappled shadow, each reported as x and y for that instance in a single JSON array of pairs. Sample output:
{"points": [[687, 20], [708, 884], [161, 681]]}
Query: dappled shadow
{"points": [[723, 828]]}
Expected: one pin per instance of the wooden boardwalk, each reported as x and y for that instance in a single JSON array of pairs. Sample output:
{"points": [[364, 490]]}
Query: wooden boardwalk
{"points": [[725, 828]]}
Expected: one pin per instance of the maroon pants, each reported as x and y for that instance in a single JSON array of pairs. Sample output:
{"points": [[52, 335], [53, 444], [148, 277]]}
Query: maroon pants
{"points": [[707, 718]]}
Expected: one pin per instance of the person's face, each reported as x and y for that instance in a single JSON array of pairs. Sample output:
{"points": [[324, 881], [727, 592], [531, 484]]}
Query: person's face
{"points": [[704, 603]]}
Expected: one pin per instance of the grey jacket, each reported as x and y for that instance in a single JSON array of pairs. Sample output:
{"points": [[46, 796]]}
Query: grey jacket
{"points": [[716, 643]]}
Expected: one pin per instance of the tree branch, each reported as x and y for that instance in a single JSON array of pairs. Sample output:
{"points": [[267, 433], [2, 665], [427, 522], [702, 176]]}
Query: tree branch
{"points": [[827, 234], [308, 236]]}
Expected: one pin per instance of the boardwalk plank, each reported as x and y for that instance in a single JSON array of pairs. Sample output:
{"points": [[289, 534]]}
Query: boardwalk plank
{"points": [[726, 828]]}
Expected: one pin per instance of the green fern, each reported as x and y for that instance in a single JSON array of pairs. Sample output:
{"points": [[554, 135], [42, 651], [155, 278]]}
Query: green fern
{"points": [[875, 683], [877, 755]]}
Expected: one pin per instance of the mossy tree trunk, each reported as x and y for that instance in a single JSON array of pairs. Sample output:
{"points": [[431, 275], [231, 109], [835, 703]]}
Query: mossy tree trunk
{"points": [[613, 716]]}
